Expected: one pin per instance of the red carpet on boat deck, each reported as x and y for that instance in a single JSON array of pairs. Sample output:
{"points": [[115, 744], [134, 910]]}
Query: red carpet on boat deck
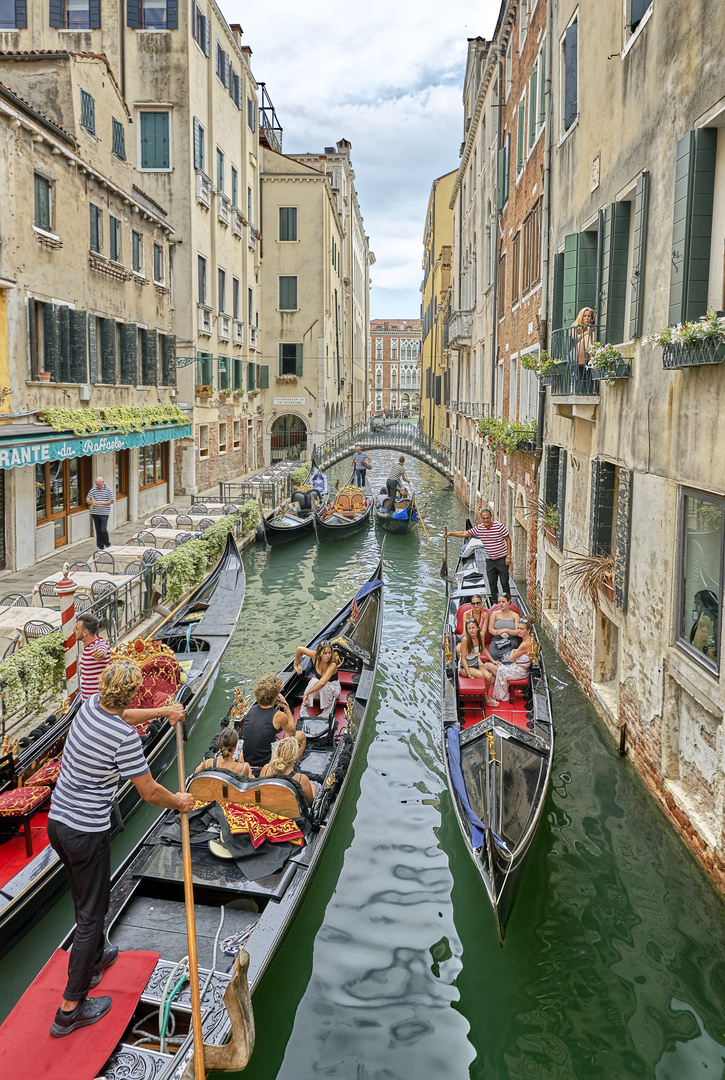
{"points": [[27, 1049]]}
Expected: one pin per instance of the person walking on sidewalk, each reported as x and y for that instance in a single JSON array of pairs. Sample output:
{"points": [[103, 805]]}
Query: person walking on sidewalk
{"points": [[101, 749], [497, 542], [100, 499]]}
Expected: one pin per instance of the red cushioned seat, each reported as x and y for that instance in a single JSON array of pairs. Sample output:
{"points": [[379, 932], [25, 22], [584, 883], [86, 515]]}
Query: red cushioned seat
{"points": [[517, 684], [47, 774], [19, 804], [161, 680], [471, 687], [463, 611]]}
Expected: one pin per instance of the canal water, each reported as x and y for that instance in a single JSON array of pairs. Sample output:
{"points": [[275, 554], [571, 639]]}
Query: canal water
{"points": [[614, 962]]}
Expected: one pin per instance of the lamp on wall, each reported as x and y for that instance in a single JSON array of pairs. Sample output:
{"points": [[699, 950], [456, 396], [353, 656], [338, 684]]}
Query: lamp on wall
{"points": [[309, 413], [222, 366]]}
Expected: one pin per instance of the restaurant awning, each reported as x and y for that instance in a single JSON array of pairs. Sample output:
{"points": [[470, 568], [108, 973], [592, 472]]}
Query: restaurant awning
{"points": [[32, 445]]}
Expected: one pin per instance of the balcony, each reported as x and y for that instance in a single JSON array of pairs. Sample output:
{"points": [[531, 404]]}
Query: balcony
{"points": [[252, 237], [237, 222], [693, 353], [253, 338], [224, 208], [459, 325], [203, 189], [474, 409], [571, 376], [238, 332], [224, 327], [204, 316]]}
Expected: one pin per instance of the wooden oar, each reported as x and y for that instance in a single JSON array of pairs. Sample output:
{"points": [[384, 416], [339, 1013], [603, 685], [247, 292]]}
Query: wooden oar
{"points": [[199, 1068], [420, 518]]}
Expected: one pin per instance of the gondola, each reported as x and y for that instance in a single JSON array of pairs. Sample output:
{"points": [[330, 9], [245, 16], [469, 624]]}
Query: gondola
{"points": [[349, 512], [396, 521], [295, 517], [197, 633], [497, 759], [238, 906]]}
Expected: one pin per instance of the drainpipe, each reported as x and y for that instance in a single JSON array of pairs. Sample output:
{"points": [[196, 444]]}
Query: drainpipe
{"points": [[545, 215]]}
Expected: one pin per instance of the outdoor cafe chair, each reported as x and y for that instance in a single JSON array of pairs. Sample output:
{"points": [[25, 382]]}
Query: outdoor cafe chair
{"points": [[230, 508], [215, 511], [81, 604], [133, 568], [184, 521], [12, 646], [46, 591], [182, 538], [205, 523], [102, 588], [103, 559], [158, 521], [168, 545], [14, 599], [197, 508], [36, 628], [150, 556], [82, 566], [146, 538]]}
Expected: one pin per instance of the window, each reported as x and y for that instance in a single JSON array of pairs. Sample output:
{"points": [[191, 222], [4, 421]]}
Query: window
{"points": [[250, 216], [76, 14], [288, 292], [638, 10], [700, 574], [96, 229], [542, 85], [235, 298], [88, 112], [151, 465], [531, 263], [155, 138], [158, 264], [136, 252], [236, 434], [523, 24], [219, 170], [288, 223], [515, 263], [529, 394], [199, 146], [221, 289], [501, 289], [119, 139], [378, 376], [13, 14], [200, 30], [114, 238], [521, 135], [223, 437], [251, 114], [43, 206], [156, 14], [504, 160], [201, 279], [394, 349], [222, 65], [224, 373], [378, 403], [250, 306], [569, 75], [533, 109], [508, 71], [290, 358], [235, 186], [692, 224], [378, 348], [513, 380]]}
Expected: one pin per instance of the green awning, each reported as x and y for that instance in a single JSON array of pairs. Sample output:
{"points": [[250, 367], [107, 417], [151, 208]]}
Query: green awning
{"points": [[35, 449]]}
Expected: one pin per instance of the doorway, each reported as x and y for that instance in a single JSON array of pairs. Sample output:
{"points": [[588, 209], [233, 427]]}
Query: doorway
{"points": [[289, 438], [60, 490]]}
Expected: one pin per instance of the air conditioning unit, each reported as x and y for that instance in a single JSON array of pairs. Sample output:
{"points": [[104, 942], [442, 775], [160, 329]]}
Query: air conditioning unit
{"points": [[84, 393]]}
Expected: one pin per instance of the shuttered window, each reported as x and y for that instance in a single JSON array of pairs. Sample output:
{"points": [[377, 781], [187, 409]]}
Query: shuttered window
{"points": [[14, 15], [571, 64], [610, 521], [224, 373], [155, 140], [288, 223], [234, 185], [128, 338], [613, 272], [557, 292], [93, 347], [533, 112], [149, 357], [251, 376], [119, 139], [96, 242], [521, 136], [580, 274], [288, 292], [251, 115], [238, 374], [201, 30], [43, 217], [290, 358], [639, 252], [158, 264], [108, 351], [78, 343], [542, 84], [504, 155], [114, 238], [692, 224], [263, 376], [136, 252], [88, 112], [515, 266], [168, 360], [555, 486], [531, 261], [201, 279], [204, 369]]}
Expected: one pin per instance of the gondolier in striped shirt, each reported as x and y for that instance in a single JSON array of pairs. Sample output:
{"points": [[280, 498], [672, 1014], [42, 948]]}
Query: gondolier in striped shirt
{"points": [[100, 498], [101, 750], [497, 542]]}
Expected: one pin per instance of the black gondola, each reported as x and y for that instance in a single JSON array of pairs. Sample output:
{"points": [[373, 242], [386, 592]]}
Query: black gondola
{"points": [[295, 517], [249, 909], [497, 758], [350, 512], [198, 631], [396, 521]]}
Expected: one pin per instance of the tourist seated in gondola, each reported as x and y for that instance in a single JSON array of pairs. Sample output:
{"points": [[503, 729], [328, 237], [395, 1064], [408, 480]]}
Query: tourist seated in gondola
{"points": [[516, 665], [324, 683], [285, 755], [381, 498], [504, 628], [224, 757], [269, 714], [472, 652]]}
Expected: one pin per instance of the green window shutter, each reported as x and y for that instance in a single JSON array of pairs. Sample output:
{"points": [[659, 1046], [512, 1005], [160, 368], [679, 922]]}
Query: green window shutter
{"points": [[298, 361], [557, 292], [641, 208], [32, 344], [692, 224], [561, 499], [594, 507], [78, 329], [155, 140], [614, 254], [580, 274], [622, 543], [64, 343], [93, 347], [108, 351], [263, 377], [601, 510], [129, 354], [149, 358], [532, 105], [280, 352], [542, 84], [504, 157], [238, 382], [250, 377], [223, 376], [168, 360], [95, 239], [51, 340], [198, 146], [133, 14], [520, 145]]}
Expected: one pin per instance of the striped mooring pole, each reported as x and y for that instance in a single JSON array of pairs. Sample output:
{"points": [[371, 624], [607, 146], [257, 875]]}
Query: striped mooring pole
{"points": [[66, 590]]}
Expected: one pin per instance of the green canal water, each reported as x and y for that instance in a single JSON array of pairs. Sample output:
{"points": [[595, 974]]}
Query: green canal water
{"points": [[614, 962]]}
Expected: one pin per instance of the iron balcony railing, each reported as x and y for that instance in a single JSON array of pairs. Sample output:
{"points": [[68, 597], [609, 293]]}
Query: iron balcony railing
{"points": [[572, 376], [386, 436], [693, 353], [474, 409]]}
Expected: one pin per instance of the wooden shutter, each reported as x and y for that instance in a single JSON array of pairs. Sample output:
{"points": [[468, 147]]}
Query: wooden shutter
{"points": [[542, 84], [504, 156], [78, 332], [64, 344], [641, 208], [129, 354], [133, 14], [250, 376], [624, 526], [168, 360], [56, 15], [263, 376], [94, 12], [561, 499], [155, 140], [93, 347], [149, 358], [580, 274], [95, 244], [520, 137], [205, 36], [557, 292], [601, 507], [198, 146], [172, 14], [32, 344], [298, 360], [692, 224], [532, 104], [571, 103], [21, 14], [108, 351], [51, 340], [614, 254]]}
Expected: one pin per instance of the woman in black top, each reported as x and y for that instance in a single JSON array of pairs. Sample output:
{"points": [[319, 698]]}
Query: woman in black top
{"points": [[269, 714]]}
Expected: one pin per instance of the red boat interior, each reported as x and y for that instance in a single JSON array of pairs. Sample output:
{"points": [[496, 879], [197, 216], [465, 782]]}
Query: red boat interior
{"points": [[346, 682]]}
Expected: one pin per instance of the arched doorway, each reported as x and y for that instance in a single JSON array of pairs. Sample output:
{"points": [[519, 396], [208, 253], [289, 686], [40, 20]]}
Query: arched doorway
{"points": [[289, 437]]}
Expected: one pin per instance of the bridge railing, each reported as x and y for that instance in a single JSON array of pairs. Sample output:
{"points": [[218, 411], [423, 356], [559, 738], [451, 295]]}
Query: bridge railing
{"points": [[386, 436]]}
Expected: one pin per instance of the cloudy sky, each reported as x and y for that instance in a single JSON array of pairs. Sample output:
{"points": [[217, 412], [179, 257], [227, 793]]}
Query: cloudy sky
{"points": [[388, 76]]}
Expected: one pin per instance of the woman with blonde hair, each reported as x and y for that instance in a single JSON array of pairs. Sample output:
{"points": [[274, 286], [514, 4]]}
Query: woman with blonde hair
{"points": [[518, 664], [224, 758], [285, 755], [582, 335]]}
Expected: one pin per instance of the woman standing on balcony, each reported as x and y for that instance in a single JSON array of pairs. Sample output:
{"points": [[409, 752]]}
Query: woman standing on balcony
{"points": [[582, 336]]}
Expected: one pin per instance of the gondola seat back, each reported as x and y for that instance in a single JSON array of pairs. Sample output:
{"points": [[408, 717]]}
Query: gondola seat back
{"points": [[275, 794]]}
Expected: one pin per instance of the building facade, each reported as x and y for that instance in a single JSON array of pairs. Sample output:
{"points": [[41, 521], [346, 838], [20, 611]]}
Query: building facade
{"points": [[395, 367], [435, 289]]}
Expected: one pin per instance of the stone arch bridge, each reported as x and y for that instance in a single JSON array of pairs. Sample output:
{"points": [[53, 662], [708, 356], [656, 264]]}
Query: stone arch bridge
{"points": [[399, 436]]}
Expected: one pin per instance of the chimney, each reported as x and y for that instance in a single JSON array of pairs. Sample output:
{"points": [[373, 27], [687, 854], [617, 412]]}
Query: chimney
{"points": [[236, 33]]}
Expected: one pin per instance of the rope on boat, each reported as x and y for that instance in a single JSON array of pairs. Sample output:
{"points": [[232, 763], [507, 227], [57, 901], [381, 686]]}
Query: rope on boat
{"points": [[233, 944]]}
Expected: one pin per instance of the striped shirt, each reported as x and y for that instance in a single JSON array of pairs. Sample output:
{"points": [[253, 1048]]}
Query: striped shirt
{"points": [[104, 496], [91, 668], [494, 539], [100, 751], [397, 471]]}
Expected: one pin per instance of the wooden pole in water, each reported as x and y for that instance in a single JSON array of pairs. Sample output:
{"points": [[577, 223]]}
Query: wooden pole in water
{"points": [[199, 1069], [415, 504]]}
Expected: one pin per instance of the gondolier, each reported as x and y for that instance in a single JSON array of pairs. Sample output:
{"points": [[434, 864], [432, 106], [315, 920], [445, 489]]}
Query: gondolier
{"points": [[100, 751], [497, 542], [100, 499], [361, 463], [397, 473]]}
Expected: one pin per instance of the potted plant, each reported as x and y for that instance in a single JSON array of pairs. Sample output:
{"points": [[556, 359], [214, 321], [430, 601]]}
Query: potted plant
{"points": [[605, 361], [203, 391], [286, 379], [540, 362], [550, 521], [254, 393], [590, 575], [45, 376]]}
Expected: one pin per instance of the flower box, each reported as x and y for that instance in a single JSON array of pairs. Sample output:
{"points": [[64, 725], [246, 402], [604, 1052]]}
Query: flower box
{"points": [[286, 379], [550, 534], [607, 589]]}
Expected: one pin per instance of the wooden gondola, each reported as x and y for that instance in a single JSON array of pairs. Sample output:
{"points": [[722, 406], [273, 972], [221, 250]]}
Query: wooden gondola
{"points": [[396, 521], [197, 633], [251, 908], [349, 512], [295, 517], [497, 758]]}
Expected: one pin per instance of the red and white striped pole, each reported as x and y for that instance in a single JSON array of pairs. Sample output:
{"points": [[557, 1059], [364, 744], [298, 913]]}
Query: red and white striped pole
{"points": [[66, 590]]}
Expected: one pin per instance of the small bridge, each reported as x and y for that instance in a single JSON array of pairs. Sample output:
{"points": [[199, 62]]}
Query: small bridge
{"points": [[406, 438]]}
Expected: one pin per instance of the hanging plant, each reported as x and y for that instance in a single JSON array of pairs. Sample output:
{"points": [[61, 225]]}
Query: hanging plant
{"points": [[117, 418], [604, 361], [540, 362], [31, 674], [504, 436], [286, 378], [710, 327], [186, 565], [589, 574]]}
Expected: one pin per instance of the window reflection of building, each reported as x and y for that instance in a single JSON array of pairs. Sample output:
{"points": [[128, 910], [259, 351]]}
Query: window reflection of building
{"points": [[151, 465], [60, 489], [701, 575]]}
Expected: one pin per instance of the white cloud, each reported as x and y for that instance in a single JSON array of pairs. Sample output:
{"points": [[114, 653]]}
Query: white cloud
{"points": [[388, 76]]}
